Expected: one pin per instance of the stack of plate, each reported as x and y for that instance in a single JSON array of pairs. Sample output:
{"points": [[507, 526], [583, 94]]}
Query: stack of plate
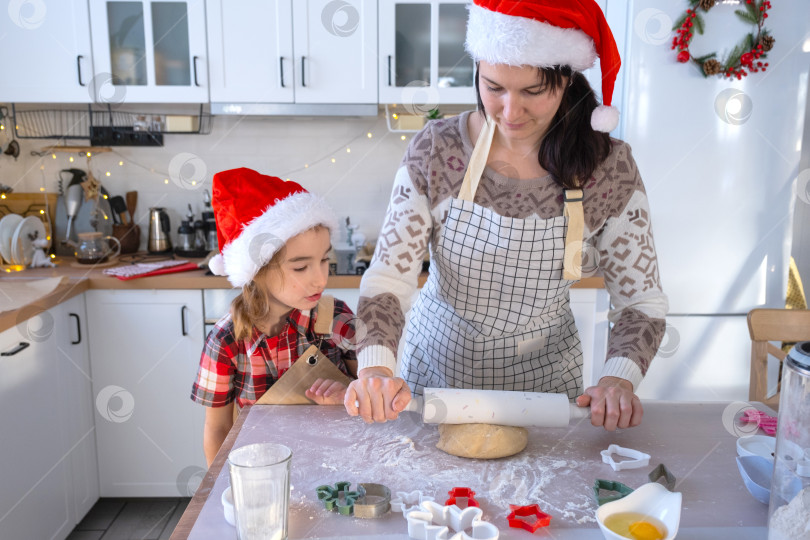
{"points": [[17, 235]]}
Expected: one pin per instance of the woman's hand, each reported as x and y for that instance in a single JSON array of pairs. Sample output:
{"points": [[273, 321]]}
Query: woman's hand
{"points": [[377, 396], [326, 392], [613, 404]]}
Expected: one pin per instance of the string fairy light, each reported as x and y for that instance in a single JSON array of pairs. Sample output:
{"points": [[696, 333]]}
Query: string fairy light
{"points": [[122, 159]]}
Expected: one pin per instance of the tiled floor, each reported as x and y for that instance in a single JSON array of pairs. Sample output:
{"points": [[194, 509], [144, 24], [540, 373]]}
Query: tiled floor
{"points": [[130, 519]]}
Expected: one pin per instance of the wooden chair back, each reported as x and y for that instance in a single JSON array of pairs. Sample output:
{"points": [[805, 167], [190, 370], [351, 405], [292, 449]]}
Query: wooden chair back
{"points": [[764, 326]]}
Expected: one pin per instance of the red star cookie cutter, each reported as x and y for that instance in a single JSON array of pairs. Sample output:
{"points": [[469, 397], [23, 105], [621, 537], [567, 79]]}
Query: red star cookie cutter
{"points": [[461, 493], [517, 519]]}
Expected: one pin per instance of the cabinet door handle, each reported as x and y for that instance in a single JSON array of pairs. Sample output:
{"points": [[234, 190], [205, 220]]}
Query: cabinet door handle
{"points": [[78, 329], [303, 71], [389, 70], [281, 70], [183, 320], [15, 350], [79, 69], [196, 82]]}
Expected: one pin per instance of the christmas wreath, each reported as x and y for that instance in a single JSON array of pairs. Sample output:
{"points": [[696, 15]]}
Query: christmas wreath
{"points": [[746, 56]]}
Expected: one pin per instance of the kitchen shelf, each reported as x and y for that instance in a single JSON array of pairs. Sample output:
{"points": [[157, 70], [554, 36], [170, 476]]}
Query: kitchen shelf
{"points": [[90, 122]]}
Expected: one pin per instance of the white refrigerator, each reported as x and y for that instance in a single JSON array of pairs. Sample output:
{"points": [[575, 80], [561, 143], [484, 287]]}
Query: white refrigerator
{"points": [[719, 159]]}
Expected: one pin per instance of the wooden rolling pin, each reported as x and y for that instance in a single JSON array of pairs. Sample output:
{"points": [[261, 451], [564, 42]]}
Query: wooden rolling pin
{"points": [[505, 408]]}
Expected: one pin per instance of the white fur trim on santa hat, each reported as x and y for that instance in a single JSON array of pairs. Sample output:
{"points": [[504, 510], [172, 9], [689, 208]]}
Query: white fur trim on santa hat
{"points": [[605, 118], [507, 39], [217, 265], [259, 240]]}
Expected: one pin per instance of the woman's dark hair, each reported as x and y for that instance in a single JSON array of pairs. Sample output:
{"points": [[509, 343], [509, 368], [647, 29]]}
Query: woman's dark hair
{"points": [[571, 149]]}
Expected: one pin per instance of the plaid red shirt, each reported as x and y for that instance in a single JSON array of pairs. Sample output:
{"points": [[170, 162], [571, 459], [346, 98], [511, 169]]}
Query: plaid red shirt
{"points": [[243, 370]]}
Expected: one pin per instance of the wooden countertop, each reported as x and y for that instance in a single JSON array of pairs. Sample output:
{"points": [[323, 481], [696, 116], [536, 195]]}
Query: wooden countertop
{"points": [[557, 471], [82, 278]]}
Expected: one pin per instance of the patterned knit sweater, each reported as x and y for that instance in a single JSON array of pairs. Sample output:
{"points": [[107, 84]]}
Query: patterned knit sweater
{"points": [[618, 236]]}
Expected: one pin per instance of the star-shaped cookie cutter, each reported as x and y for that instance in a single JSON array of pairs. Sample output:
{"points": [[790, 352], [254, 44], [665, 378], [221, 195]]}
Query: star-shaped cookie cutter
{"points": [[339, 497], [461, 493], [635, 459], [407, 501], [432, 521], [516, 517]]}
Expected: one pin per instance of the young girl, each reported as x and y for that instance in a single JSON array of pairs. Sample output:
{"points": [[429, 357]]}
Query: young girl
{"points": [[274, 241]]}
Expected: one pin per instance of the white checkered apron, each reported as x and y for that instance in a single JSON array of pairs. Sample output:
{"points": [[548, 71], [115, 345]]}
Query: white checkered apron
{"points": [[495, 312]]}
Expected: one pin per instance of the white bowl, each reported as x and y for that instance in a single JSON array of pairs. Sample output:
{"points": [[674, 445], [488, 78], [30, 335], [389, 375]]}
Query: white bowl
{"points": [[757, 445], [227, 505], [652, 500]]}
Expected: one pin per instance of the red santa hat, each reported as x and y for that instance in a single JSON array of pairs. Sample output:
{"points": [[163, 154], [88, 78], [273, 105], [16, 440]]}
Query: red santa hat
{"points": [[256, 215], [546, 33]]}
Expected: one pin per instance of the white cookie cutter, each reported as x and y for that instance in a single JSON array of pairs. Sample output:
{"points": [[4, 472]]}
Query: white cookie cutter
{"points": [[432, 521], [635, 459], [405, 502]]}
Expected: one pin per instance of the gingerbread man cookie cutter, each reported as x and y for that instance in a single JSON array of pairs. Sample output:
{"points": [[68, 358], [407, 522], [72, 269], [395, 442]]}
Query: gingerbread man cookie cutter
{"points": [[635, 459], [432, 521]]}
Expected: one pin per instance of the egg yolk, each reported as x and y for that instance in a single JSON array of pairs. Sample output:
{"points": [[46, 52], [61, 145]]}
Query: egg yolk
{"points": [[641, 530]]}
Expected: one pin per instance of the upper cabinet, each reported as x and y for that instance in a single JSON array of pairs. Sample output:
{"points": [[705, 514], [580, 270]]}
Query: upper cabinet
{"points": [[149, 51], [422, 60], [284, 52], [46, 54]]}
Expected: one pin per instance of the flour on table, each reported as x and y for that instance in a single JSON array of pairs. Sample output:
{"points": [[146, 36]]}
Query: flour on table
{"points": [[402, 455]]}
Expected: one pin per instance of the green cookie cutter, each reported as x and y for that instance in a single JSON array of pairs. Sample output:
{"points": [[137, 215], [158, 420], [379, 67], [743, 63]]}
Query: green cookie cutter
{"points": [[620, 491], [338, 498]]}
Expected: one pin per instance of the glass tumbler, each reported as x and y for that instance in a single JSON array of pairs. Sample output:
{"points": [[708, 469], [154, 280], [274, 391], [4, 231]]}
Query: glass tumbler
{"points": [[260, 481]]}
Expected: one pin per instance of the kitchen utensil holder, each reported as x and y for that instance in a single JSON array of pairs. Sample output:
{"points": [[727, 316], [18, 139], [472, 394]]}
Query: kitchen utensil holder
{"points": [[83, 123], [129, 236]]}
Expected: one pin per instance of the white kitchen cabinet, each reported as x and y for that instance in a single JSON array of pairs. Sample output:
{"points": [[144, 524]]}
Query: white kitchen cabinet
{"points": [[422, 61], [291, 52], [46, 53], [149, 51], [34, 459], [145, 349], [73, 357]]}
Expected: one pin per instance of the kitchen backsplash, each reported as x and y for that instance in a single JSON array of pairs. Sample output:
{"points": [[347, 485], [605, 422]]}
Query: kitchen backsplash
{"points": [[332, 156]]}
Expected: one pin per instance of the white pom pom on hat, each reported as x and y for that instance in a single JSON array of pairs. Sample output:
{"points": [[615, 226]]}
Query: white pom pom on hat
{"points": [[256, 214], [547, 33]]}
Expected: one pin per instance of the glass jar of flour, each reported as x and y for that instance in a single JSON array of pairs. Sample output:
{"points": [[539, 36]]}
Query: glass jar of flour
{"points": [[789, 510]]}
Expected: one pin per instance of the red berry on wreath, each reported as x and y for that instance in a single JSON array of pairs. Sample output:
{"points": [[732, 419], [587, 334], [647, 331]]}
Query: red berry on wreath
{"points": [[746, 59], [683, 57]]}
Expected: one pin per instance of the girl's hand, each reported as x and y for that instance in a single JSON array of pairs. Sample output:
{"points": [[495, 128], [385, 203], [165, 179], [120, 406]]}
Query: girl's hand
{"points": [[326, 392], [377, 396], [613, 404]]}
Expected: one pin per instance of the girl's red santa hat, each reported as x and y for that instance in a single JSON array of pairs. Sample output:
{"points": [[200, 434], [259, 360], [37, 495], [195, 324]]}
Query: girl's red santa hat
{"points": [[547, 33], [256, 215]]}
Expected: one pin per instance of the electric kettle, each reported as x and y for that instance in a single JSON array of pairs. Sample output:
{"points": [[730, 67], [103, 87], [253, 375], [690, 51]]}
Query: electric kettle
{"points": [[159, 227]]}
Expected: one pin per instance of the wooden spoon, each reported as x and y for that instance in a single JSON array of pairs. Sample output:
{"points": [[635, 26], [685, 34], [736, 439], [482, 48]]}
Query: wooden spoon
{"points": [[132, 202]]}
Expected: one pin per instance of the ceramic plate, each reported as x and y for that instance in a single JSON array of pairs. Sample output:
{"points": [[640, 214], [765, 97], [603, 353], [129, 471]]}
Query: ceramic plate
{"points": [[8, 225], [22, 244]]}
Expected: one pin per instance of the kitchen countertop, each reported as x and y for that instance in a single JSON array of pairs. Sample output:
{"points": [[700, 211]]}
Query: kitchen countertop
{"points": [[556, 470], [87, 277]]}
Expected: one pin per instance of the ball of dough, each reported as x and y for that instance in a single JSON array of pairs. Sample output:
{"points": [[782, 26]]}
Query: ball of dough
{"points": [[481, 441]]}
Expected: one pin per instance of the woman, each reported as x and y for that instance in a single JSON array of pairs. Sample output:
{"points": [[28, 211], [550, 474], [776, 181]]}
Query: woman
{"points": [[507, 199]]}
